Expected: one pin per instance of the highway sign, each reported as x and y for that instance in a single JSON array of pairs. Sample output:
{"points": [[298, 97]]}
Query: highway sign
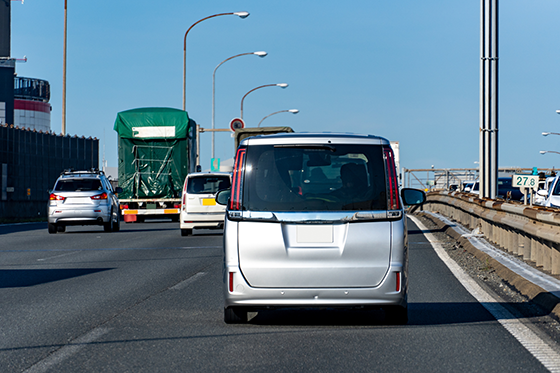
{"points": [[526, 181], [236, 124]]}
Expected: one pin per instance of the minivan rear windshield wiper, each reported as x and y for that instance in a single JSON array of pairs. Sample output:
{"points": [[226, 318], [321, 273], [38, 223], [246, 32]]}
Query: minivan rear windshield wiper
{"points": [[307, 146]]}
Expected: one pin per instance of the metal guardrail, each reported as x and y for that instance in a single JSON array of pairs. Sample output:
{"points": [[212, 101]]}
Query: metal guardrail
{"points": [[446, 178], [531, 233]]}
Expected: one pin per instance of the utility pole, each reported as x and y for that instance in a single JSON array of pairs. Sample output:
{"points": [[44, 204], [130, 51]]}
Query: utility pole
{"points": [[488, 98]]}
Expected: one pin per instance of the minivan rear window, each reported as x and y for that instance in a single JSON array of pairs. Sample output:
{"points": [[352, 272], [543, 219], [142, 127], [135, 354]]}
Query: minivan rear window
{"points": [[333, 177], [207, 184]]}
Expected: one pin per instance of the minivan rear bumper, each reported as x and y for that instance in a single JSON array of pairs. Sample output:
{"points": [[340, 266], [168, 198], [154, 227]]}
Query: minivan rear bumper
{"points": [[237, 292]]}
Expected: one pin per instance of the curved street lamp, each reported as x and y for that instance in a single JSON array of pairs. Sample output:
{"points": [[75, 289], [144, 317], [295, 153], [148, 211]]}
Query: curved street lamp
{"points": [[550, 133], [548, 151], [241, 15], [281, 85], [293, 111], [260, 54]]}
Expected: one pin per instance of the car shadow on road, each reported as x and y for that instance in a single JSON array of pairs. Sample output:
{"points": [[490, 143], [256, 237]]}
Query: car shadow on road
{"points": [[16, 278], [419, 314]]}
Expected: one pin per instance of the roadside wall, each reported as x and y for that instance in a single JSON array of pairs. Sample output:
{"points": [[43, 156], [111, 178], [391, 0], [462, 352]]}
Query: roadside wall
{"points": [[30, 163], [532, 233]]}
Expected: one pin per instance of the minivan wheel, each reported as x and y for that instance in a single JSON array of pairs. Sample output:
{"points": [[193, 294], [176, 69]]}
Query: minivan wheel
{"points": [[52, 228], [235, 315], [186, 232], [396, 315]]}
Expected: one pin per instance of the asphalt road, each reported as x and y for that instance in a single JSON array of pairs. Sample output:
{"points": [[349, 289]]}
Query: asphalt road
{"points": [[146, 299]]}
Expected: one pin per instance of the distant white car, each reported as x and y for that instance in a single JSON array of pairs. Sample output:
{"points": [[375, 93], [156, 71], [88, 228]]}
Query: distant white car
{"points": [[552, 195], [198, 202], [542, 193]]}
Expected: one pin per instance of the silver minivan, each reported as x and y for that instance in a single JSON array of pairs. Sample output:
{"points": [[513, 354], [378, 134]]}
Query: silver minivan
{"points": [[315, 220]]}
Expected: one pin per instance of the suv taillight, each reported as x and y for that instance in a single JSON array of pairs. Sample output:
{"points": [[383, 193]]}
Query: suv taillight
{"points": [[237, 184], [99, 196], [56, 197], [392, 182]]}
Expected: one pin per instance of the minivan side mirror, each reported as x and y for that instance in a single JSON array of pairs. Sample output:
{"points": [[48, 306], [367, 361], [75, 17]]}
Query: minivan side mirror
{"points": [[413, 196], [222, 197]]}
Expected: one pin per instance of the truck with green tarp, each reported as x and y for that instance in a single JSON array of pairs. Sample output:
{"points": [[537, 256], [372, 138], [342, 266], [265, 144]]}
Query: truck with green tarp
{"points": [[157, 149]]}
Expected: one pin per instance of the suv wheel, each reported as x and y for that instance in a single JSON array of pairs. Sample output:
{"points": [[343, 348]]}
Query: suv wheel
{"points": [[61, 228], [235, 315], [52, 228], [110, 225]]}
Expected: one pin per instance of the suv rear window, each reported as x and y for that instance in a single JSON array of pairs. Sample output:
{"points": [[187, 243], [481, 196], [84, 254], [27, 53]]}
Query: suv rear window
{"points": [[314, 178], [78, 185], [207, 184]]}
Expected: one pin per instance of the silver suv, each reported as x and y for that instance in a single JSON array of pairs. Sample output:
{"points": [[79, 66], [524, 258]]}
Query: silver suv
{"points": [[83, 198], [316, 220]]}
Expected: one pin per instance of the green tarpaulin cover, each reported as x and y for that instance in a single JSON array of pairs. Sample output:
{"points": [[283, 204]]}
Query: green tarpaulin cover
{"points": [[154, 148]]}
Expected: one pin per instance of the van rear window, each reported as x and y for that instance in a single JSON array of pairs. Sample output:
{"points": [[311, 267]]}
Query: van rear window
{"points": [[207, 184], [314, 178]]}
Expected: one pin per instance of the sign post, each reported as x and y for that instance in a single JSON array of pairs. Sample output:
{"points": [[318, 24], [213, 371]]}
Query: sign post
{"points": [[526, 182]]}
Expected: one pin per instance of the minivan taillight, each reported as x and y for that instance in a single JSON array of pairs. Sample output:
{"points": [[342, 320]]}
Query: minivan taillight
{"points": [[392, 181], [237, 184]]}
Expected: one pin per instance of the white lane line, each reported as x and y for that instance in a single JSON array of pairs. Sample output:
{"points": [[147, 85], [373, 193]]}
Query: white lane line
{"points": [[56, 256], [183, 284], [67, 351], [528, 339]]}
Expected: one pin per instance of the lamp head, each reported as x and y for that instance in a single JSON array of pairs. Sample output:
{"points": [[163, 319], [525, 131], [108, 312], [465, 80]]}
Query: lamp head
{"points": [[242, 14], [282, 85], [294, 111], [260, 54], [546, 133], [542, 151]]}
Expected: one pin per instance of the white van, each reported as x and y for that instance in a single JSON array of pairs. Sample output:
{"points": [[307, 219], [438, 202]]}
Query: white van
{"points": [[315, 220], [198, 202]]}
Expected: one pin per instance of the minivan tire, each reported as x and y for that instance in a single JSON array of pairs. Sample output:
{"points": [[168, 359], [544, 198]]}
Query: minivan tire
{"points": [[235, 315], [396, 315]]}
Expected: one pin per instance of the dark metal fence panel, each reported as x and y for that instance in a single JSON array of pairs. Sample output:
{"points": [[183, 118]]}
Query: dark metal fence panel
{"points": [[34, 160]]}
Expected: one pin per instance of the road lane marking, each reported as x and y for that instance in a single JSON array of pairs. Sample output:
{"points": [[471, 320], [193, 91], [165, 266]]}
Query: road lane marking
{"points": [[183, 284], [56, 256], [528, 339], [67, 351]]}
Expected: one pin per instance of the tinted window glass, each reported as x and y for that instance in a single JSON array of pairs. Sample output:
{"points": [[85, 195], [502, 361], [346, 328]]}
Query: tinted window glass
{"points": [[207, 184], [314, 178], [78, 185]]}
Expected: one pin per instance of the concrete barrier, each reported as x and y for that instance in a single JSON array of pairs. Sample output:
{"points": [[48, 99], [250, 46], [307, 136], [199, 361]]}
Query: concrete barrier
{"points": [[532, 233]]}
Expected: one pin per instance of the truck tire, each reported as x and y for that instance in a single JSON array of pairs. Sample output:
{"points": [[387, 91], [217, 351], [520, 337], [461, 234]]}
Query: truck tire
{"points": [[186, 232]]}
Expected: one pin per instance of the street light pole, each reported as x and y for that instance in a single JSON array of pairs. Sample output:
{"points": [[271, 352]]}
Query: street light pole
{"points": [[293, 111], [548, 151], [241, 15], [64, 73], [281, 85], [260, 54]]}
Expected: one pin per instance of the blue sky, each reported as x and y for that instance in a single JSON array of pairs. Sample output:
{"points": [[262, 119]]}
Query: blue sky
{"points": [[406, 70]]}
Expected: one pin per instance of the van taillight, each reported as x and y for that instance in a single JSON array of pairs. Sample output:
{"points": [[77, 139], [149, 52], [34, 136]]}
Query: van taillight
{"points": [[231, 282], [237, 184], [398, 287], [392, 182]]}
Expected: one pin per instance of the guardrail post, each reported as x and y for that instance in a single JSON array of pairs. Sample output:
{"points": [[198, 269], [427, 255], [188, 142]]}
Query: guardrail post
{"points": [[547, 256], [555, 270]]}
